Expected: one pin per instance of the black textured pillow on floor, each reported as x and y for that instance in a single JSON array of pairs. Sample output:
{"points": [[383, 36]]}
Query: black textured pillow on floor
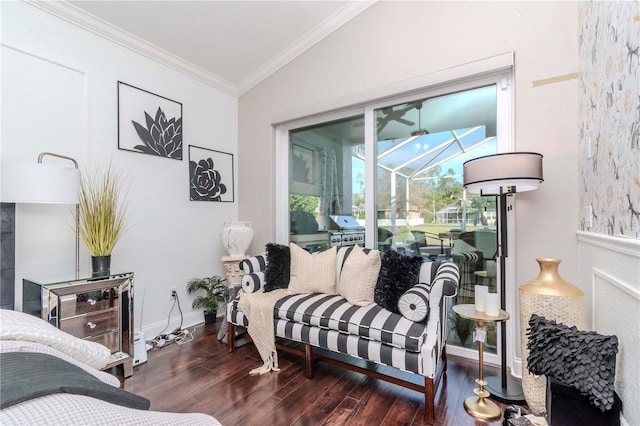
{"points": [[585, 360], [398, 274], [278, 271]]}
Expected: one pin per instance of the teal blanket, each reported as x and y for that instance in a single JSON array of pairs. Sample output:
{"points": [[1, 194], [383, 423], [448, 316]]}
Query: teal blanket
{"points": [[27, 375]]}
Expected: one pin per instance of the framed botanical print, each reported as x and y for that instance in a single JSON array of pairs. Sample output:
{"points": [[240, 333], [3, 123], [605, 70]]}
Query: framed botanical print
{"points": [[149, 123], [210, 175]]}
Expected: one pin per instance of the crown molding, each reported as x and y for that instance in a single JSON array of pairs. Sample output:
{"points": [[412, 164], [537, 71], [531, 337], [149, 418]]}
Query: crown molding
{"points": [[102, 28], [106, 30], [328, 26]]}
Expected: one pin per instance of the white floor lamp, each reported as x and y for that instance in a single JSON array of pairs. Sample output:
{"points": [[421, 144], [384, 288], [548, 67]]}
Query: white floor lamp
{"points": [[41, 183], [502, 175]]}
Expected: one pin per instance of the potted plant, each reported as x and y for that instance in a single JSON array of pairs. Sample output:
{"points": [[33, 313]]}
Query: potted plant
{"points": [[102, 215], [215, 293]]}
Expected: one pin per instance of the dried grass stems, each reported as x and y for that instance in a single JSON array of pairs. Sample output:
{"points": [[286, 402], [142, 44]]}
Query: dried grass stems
{"points": [[102, 210]]}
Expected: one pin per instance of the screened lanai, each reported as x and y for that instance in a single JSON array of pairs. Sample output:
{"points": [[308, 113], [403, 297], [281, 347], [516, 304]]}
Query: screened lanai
{"points": [[413, 159]]}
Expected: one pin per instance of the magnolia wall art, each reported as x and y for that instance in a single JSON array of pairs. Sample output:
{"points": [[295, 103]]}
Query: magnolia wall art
{"points": [[210, 175], [149, 123]]}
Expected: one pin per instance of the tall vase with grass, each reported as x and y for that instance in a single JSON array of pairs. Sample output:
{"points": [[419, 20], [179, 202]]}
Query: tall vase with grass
{"points": [[102, 215]]}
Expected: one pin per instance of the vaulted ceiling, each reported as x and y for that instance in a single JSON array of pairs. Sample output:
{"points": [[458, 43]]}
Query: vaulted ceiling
{"points": [[232, 44]]}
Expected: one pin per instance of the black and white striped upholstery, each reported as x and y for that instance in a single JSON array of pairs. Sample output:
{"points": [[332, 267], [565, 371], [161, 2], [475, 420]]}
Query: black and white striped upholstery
{"points": [[252, 282], [235, 315], [254, 264], [350, 344], [333, 312], [367, 332], [414, 303]]}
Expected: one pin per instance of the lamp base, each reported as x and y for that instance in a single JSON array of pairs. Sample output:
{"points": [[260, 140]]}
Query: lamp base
{"points": [[512, 394], [482, 409]]}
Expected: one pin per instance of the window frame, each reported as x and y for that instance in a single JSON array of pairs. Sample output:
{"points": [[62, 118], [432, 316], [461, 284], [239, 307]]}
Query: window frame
{"points": [[496, 70]]}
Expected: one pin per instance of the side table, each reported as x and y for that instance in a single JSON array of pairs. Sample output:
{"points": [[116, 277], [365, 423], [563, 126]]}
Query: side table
{"points": [[232, 266], [98, 309], [480, 406]]}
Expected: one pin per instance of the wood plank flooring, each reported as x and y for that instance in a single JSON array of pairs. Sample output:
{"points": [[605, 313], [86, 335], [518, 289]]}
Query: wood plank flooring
{"points": [[201, 376]]}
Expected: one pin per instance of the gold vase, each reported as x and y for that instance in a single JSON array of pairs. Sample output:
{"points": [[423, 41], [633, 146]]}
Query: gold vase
{"points": [[553, 298]]}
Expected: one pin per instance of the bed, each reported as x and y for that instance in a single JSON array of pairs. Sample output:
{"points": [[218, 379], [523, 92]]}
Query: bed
{"points": [[50, 377]]}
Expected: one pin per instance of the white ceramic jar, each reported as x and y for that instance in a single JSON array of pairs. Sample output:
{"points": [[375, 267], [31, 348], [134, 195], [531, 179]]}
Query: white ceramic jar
{"points": [[236, 238]]}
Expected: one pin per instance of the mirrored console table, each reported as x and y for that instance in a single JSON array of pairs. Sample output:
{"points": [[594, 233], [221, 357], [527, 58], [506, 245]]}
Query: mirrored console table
{"points": [[99, 309]]}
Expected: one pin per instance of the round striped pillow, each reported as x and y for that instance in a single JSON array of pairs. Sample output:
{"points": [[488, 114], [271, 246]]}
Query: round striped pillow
{"points": [[414, 303], [252, 282]]}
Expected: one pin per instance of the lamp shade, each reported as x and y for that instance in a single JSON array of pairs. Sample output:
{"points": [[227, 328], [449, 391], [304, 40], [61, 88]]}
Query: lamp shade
{"points": [[508, 172], [39, 183]]}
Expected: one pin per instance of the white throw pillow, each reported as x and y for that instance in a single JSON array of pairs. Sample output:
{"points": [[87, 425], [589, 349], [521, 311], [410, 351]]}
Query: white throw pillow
{"points": [[16, 325], [359, 275], [414, 303], [312, 273]]}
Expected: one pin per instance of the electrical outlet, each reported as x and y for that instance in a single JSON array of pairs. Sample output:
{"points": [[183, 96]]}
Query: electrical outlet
{"points": [[172, 292]]}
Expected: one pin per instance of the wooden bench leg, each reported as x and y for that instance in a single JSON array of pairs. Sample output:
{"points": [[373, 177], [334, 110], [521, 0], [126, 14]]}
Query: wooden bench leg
{"points": [[308, 358], [429, 401], [231, 337]]}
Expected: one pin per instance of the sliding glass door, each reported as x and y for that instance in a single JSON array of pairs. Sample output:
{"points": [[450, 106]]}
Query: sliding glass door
{"points": [[422, 208], [388, 175]]}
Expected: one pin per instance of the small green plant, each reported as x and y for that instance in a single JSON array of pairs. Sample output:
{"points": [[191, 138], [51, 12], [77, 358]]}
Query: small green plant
{"points": [[216, 292]]}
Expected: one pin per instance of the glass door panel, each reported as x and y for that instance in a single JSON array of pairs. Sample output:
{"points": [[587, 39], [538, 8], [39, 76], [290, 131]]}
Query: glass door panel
{"points": [[326, 184], [421, 206]]}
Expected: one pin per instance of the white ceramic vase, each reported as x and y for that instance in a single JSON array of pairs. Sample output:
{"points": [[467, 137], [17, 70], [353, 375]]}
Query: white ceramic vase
{"points": [[236, 238]]}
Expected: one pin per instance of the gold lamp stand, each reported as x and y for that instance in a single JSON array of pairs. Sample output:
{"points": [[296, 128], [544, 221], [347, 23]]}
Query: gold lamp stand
{"points": [[480, 406]]}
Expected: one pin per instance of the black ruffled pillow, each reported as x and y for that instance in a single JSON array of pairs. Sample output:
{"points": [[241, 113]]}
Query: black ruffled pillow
{"points": [[278, 271], [584, 360], [398, 274]]}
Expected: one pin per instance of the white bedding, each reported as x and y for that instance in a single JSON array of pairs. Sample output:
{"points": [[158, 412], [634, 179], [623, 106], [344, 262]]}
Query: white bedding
{"points": [[16, 325], [74, 410], [20, 332]]}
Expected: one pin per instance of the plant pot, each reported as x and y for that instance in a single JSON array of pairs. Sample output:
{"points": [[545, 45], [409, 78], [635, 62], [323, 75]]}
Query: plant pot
{"points": [[210, 317], [100, 265]]}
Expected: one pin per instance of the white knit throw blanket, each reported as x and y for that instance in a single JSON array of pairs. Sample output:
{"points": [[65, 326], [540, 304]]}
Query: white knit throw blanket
{"points": [[258, 307]]}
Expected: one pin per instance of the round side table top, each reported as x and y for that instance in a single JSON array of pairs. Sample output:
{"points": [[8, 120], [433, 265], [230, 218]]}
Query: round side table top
{"points": [[469, 312]]}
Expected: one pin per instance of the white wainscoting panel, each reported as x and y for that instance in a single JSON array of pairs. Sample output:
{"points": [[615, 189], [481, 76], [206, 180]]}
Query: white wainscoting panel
{"points": [[610, 278], [610, 296]]}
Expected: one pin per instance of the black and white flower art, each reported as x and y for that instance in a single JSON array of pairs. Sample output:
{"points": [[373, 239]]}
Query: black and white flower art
{"points": [[149, 123], [210, 175]]}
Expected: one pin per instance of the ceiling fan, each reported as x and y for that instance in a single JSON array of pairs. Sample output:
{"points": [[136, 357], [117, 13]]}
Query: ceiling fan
{"points": [[420, 130], [392, 114]]}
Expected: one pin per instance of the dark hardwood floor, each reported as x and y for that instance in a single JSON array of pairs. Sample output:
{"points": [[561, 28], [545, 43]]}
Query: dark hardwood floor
{"points": [[201, 376]]}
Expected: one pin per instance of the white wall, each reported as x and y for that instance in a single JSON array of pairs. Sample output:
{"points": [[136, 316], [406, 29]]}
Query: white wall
{"points": [[59, 94], [394, 41]]}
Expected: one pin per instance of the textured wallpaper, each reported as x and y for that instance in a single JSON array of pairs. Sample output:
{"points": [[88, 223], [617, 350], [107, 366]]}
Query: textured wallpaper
{"points": [[609, 102]]}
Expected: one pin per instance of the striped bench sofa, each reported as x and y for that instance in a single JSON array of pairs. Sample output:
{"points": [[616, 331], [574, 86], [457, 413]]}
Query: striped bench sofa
{"points": [[368, 332]]}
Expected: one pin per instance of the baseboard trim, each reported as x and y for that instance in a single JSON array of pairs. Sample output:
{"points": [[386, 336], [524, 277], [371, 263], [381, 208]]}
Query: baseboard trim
{"points": [[189, 320]]}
